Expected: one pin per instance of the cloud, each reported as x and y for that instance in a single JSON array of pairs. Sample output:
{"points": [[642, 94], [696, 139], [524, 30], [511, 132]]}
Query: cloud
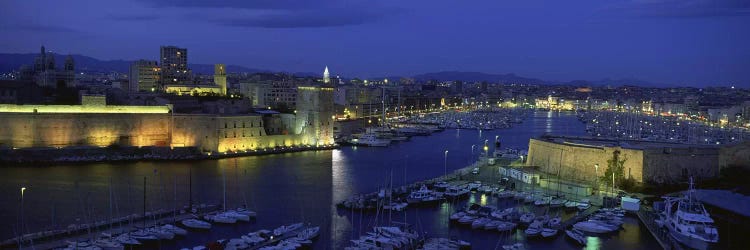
{"points": [[244, 4], [135, 17], [43, 28], [684, 8], [301, 19]]}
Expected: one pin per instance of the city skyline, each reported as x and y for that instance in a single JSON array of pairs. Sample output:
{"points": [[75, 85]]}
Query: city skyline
{"points": [[694, 43]]}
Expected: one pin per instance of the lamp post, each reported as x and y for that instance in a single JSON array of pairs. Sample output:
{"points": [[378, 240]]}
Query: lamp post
{"points": [[445, 164], [20, 239], [486, 149], [596, 176]]}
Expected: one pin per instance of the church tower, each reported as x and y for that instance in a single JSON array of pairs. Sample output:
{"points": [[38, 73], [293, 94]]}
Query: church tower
{"points": [[326, 76], [220, 77]]}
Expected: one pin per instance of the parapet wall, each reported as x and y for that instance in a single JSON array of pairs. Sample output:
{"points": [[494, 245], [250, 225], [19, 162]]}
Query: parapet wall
{"points": [[650, 164], [578, 162]]}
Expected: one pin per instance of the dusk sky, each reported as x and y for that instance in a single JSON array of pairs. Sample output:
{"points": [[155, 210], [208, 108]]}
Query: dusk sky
{"points": [[685, 42]]}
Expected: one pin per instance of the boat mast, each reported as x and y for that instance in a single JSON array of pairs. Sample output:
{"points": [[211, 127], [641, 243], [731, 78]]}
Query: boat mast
{"points": [[144, 202], [190, 188]]}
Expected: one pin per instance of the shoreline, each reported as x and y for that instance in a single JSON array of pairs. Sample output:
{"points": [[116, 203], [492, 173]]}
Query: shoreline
{"points": [[84, 155]]}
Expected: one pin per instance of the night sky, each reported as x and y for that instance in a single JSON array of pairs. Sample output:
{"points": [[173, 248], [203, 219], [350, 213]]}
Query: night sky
{"points": [[686, 42]]}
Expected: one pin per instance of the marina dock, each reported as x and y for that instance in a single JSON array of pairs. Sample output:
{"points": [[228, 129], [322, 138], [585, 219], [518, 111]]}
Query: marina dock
{"points": [[648, 217], [59, 238]]}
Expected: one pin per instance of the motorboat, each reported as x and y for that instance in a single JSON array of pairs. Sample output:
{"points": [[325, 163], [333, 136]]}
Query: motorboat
{"points": [[236, 215], [443, 243], [468, 219], [548, 232], [554, 221], [457, 215], [370, 140], [396, 206], [221, 218], [255, 238], [516, 246], [108, 244], [441, 186], [81, 245], [534, 229], [236, 243], [505, 194], [479, 223], [175, 230], [160, 233], [583, 206], [473, 186], [244, 211], [485, 189], [688, 221], [143, 235], [577, 236], [502, 214], [593, 227], [456, 192], [126, 239], [286, 229], [558, 202], [527, 218], [492, 225], [506, 226], [570, 204], [196, 224], [543, 201], [308, 233], [423, 196]]}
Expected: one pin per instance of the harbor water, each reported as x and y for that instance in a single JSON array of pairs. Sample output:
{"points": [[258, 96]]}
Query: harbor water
{"points": [[285, 188]]}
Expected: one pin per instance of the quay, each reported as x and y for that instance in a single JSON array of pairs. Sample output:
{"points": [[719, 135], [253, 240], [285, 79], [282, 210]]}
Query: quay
{"points": [[578, 217], [59, 238], [648, 217]]}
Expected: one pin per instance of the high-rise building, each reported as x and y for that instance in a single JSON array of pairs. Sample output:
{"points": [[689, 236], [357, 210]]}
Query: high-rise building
{"points": [[326, 76], [458, 86], [173, 61], [144, 76], [220, 77]]}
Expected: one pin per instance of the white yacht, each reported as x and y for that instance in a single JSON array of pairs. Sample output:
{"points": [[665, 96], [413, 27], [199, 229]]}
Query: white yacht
{"points": [[688, 221], [370, 140], [423, 196]]}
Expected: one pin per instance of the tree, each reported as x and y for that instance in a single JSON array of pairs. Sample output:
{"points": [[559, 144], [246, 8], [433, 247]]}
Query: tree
{"points": [[615, 165]]}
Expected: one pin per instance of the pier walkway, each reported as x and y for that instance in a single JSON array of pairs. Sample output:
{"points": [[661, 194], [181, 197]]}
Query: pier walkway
{"points": [[582, 215], [648, 217], [59, 238]]}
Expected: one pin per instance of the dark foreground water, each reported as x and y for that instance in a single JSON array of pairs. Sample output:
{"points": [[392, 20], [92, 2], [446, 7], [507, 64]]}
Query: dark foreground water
{"points": [[283, 189]]}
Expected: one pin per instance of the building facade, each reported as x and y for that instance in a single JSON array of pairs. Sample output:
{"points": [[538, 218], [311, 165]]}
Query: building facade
{"points": [[144, 76], [173, 61]]}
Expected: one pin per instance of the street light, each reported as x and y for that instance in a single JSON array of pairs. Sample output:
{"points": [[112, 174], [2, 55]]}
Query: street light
{"points": [[20, 240], [445, 164]]}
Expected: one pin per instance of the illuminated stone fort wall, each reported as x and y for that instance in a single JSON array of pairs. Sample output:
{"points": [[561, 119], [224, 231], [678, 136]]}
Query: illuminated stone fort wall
{"points": [[578, 162], [315, 115], [652, 164], [21, 130], [105, 125]]}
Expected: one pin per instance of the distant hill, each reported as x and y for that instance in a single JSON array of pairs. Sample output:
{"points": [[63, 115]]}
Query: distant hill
{"points": [[616, 83], [476, 76], [11, 62]]}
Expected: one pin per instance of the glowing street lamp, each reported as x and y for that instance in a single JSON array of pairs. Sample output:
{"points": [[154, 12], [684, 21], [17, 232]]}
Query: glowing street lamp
{"points": [[445, 164], [20, 241]]}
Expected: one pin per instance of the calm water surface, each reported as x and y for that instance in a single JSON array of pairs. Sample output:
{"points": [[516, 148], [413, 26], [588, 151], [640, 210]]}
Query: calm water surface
{"points": [[284, 188]]}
